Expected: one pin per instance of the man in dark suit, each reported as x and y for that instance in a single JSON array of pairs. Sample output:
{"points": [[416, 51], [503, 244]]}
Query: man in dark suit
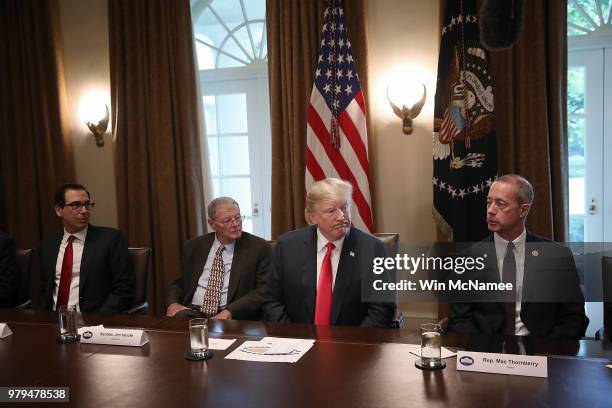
{"points": [[223, 273], [546, 288], [85, 265], [317, 270], [8, 271]]}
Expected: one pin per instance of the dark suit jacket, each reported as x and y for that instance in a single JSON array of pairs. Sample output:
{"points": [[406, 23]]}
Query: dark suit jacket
{"points": [[8, 271], [106, 283], [549, 274], [250, 269], [291, 290]]}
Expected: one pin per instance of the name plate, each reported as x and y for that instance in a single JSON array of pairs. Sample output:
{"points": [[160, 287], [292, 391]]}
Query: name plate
{"points": [[113, 337], [512, 364], [5, 331]]}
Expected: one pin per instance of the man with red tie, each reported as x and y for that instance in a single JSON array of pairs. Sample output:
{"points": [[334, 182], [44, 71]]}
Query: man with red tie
{"points": [[317, 270], [84, 265]]}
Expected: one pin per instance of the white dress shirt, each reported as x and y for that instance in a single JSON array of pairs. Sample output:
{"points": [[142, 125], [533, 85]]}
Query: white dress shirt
{"points": [[78, 243], [228, 255], [501, 245], [335, 257]]}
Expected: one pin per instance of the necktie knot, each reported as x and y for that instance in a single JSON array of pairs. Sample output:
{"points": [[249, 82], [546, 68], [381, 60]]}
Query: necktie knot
{"points": [[330, 246], [220, 249], [71, 238], [510, 247]]}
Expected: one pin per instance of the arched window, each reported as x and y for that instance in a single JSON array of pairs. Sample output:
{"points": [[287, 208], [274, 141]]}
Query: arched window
{"points": [[586, 17], [230, 39]]}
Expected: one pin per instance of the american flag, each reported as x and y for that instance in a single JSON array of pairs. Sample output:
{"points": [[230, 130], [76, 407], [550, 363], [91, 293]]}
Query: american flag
{"points": [[337, 141]]}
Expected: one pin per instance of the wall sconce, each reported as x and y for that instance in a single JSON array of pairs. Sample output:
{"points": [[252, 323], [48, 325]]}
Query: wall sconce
{"points": [[99, 129], [408, 114]]}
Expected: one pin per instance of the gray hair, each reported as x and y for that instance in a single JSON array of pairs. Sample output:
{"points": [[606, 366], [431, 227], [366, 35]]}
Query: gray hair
{"points": [[212, 206], [524, 189], [327, 189]]}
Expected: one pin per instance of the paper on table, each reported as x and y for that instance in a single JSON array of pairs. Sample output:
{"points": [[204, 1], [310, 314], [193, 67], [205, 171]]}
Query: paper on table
{"points": [[445, 353], [272, 349], [219, 344], [5, 330]]}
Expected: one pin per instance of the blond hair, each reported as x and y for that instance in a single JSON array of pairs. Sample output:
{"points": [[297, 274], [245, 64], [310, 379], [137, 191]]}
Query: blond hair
{"points": [[327, 189]]}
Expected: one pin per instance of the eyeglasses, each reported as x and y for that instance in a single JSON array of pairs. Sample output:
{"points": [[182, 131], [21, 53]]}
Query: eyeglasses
{"points": [[77, 205], [228, 221]]}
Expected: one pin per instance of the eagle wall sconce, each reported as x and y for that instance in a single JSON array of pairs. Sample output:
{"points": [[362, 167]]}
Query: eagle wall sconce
{"points": [[99, 129], [408, 114]]}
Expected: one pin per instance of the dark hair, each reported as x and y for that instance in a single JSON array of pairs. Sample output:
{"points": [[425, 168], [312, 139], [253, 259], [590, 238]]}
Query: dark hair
{"points": [[60, 193]]}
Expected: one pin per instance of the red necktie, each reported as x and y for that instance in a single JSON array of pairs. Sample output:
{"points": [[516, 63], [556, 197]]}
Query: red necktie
{"points": [[324, 290], [63, 292]]}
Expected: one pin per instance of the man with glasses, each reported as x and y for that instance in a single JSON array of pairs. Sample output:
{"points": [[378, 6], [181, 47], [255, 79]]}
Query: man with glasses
{"points": [[223, 273], [84, 265], [317, 270]]}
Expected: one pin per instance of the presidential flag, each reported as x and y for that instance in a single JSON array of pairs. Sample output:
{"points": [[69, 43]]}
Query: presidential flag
{"points": [[337, 141], [464, 150]]}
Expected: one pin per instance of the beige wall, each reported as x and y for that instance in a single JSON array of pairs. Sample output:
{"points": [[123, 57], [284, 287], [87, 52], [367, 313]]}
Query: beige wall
{"points": [[84, 32], [403, 39]]}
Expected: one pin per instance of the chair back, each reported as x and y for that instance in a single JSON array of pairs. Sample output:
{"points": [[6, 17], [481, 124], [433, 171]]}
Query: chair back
{"points": [[24, 269], [142, 264], [606, 280]]}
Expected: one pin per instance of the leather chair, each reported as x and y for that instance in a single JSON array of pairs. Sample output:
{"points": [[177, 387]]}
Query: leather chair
{"points": [[143, 266], [24, 268], [391, 241], [605, 333]]}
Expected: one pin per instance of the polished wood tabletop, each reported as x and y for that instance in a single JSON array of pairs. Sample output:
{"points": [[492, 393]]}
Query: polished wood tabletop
{"points": [[346, 367]]}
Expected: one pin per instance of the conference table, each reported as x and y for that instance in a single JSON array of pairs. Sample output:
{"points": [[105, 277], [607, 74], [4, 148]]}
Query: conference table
{"points": [[346, 367]]}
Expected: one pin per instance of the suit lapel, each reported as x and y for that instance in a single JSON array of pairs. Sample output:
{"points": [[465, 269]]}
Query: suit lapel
{"points": [[308, 273], [55, 244], [347, 266], [240, 254], [88, 253], [200, 255]]}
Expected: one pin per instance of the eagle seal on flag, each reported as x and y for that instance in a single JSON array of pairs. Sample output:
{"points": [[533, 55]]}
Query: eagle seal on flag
{"points": [[464, 146]]}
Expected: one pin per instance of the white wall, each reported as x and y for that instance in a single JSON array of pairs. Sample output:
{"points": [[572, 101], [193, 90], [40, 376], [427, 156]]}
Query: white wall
{"points": [[84, 32], [403, 38]]}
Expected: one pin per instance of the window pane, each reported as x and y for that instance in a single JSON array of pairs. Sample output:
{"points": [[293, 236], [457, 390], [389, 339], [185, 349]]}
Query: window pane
{"points": [[239, 188], [216, 187], [247, 225], [257, 32], [210, 115], [229, 11], [232, 110], [231, 47], [206, 55], [591, 9], [243, 37], [576, 232], [255, 9], [575, 16], [224, 61], [209, 29], [235, 155], [213, 155]]}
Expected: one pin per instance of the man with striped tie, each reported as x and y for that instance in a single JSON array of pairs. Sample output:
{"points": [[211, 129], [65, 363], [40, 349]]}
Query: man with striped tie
{"points": [[317, 270], [223, 273]]}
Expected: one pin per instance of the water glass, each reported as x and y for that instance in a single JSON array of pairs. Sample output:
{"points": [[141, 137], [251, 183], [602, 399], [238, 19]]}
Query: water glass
{"points": [[67, 323], [198, 337], [431, 345]]}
